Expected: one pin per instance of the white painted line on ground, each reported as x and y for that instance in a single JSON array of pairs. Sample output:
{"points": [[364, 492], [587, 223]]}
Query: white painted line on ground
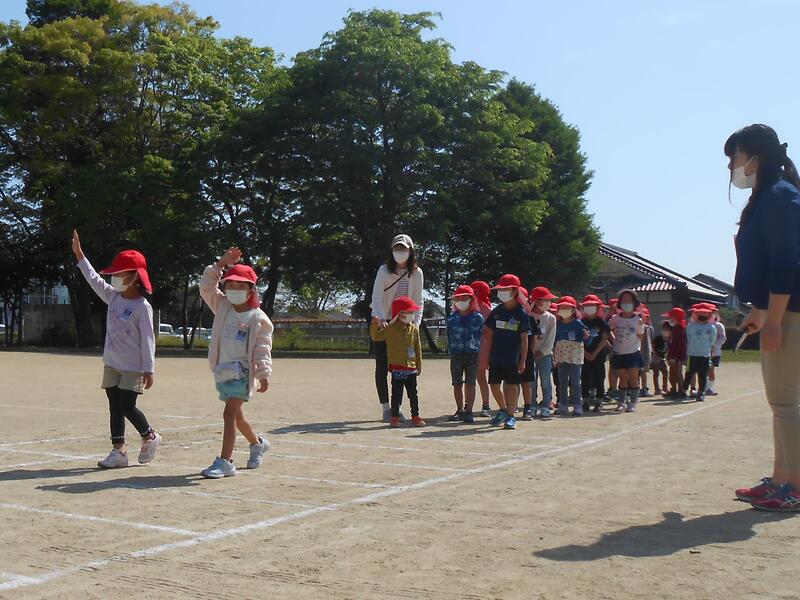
{"points": [[358, 462], [282, 440], [268, 523], [24, 579], [82, 517], [40, 453], [45, 462]]}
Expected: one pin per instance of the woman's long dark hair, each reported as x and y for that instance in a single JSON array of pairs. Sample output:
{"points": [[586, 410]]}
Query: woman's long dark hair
{"points": [[773, 162], [391, 263]]}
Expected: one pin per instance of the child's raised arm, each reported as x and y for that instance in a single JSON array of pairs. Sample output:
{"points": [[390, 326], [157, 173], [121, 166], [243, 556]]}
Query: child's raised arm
{"points": [[209, 282], [100, 286]]}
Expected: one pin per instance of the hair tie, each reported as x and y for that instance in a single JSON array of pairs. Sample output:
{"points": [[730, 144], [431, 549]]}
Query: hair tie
{"points": [[785, 147]]}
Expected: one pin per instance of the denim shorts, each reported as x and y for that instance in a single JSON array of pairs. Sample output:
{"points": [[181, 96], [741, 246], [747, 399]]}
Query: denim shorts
{"points": [[234, 388]]}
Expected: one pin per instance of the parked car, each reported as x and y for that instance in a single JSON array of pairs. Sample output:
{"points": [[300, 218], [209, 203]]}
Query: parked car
{"points": [[166, 329]]}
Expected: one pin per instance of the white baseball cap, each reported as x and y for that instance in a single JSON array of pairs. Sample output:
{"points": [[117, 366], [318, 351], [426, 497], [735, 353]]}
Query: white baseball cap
{"points": [[403, 240]]}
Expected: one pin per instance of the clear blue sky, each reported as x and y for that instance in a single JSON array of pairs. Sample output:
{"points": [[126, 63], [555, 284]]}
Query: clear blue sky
{"points": [[655, 89]]}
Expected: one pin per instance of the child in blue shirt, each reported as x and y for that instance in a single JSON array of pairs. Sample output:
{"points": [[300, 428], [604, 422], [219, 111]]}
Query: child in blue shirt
{"points": [[700, 335], [507, 339], [568, 354], [464, 331]]}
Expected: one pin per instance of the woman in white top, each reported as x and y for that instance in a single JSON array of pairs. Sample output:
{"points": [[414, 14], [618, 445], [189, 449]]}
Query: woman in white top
{"points": [[398, 276]]}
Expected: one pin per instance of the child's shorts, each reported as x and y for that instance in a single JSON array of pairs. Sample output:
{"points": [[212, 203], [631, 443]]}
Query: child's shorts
{"points": [[507, 375], [234, 388], [530, 364], [124, 380], [658, 364], [464, 368], [715, 360], [627, 361]]}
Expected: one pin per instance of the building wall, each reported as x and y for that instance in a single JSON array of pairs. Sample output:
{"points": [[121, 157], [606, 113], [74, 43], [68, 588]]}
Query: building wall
{"points": [[50, 325]]}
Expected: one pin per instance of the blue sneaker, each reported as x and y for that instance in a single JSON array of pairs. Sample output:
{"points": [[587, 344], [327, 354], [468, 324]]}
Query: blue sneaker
{"points": [[545, 412], [499, 418], [527, 414], [468, 418], [511, 423]]}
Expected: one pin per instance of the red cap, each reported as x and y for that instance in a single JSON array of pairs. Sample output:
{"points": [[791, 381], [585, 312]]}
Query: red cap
{"points": [[541, 293], [591, 299], [702, 307], [613, 301], [508, 280], [676, 313], [243, 273], [481, 289], [464, 290], [130, 260], [567, 301], [403, 303], [523, 292]]}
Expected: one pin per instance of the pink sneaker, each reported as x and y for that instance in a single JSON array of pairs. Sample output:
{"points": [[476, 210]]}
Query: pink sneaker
{"points": [[758, 492]]}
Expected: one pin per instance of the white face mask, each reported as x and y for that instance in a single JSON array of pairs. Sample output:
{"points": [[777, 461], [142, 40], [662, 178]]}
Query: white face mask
{"points": [[590, 311], [627, 307], [742, 181], [400, 256], [462, 304], [673, 322], [237, 297], [565, 313], [505, 295], [406, 318], [546, 304], [118, 283]]}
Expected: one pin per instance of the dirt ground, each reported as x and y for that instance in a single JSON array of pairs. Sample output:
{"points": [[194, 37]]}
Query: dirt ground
{"points": [[610, 506]]}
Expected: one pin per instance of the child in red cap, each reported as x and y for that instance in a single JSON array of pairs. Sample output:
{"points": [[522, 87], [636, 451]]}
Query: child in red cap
{"points": [[508, 326], [627, 329], [701, 334], [240, 354], [568, 355], [404, 348], [464, 332], [483, 294], [593, 373], [676, 356], [129, 350], [541, 300], [716, 353]]}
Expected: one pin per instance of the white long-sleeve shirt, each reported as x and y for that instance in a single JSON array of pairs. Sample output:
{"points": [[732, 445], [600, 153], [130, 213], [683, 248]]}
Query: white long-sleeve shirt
{"points": [[130, 343], [382, 297], [721, 337], [547, 323]]}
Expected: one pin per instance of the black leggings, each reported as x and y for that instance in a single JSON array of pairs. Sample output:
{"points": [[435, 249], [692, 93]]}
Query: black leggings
{"points": [[697, 365], [410, 386], [593, 377], [381, 371], [122, 405]]}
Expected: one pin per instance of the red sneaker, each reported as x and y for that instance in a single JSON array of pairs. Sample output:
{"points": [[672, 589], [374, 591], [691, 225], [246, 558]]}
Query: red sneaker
{"points": [[418, 422], [786, 499], [759, 492], [394, 422]]}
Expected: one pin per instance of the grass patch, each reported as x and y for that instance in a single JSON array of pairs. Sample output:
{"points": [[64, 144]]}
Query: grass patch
{"points": [[729, 356], [287, 340], [177, 342]]}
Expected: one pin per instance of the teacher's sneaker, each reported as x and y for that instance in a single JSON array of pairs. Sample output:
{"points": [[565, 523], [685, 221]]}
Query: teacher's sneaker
{"points": [[114, 460], [786, 499], [417, 422], [758, 492], [149, 447], [257, 452], [219, 468]]}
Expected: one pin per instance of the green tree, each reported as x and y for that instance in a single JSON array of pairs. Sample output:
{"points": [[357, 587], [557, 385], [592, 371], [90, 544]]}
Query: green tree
{"points": [[562, 250]]}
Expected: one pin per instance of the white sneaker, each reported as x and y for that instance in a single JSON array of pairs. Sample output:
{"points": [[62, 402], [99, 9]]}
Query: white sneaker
{"points": [[401, 415], [387, 411], [219, 468], [257, 452], [148, 451], [114, 460]]}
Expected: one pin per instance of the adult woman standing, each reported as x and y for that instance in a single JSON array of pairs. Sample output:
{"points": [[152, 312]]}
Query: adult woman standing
{"points": [[768, 276], [398, 276]]}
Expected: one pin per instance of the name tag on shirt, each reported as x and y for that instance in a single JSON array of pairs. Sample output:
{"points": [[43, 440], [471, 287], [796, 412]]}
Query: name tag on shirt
{"points": [[571, 336], [411, 352], [512, 325], [241, 334], [126, 315]]}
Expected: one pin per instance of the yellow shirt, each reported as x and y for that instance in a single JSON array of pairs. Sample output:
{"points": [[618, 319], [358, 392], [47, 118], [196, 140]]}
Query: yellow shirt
{"points": [[402, 344]]}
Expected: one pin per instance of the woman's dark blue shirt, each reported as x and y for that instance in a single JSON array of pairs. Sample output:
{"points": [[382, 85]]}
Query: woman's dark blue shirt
{"points": [[768, 247]]}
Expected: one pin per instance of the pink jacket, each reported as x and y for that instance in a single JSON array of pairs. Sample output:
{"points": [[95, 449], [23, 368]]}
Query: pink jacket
{"points": [[260, 344]]}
